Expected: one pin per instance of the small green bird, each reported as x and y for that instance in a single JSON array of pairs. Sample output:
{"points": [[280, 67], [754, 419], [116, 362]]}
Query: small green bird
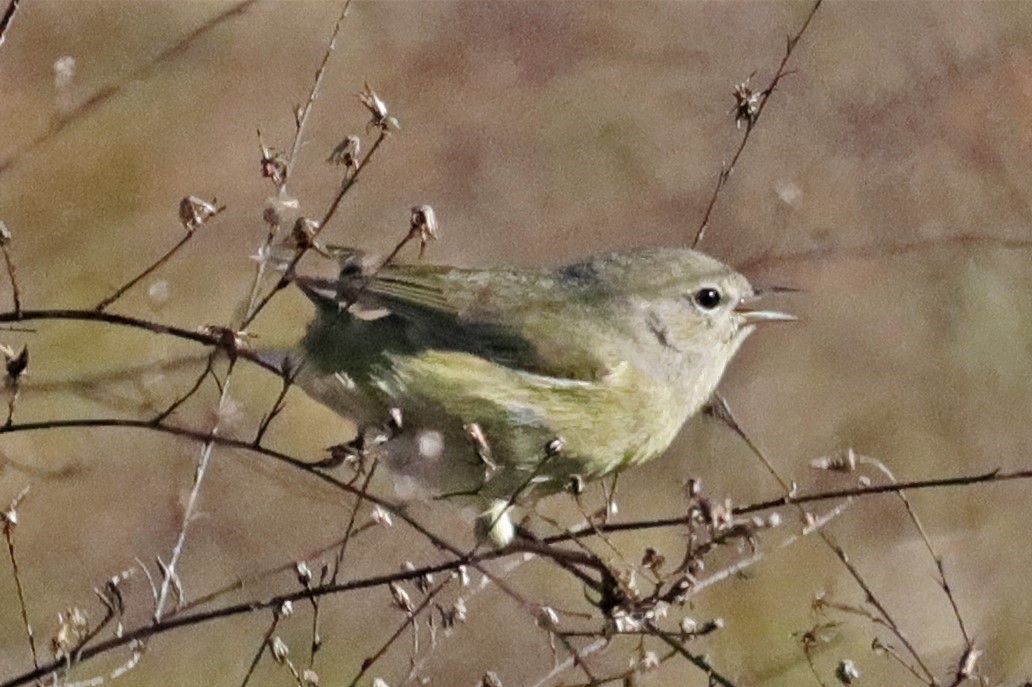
{"points": [[508, 384]]}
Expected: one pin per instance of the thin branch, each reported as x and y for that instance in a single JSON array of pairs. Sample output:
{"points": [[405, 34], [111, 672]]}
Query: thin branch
{"points": [[144, 71], [5, 21], [197, 435], [301, 118], [936, 558], [203, 460], [9, 263], [303, 112], [410, 620], [120, 291], [175, 621], [261, 649], [208, 369], [594, 647], [883, 612], [723, 411], [350, 529], [8, 521], [203, 337], [992, 476], [288, 379], [697, 660], [753, 118]]}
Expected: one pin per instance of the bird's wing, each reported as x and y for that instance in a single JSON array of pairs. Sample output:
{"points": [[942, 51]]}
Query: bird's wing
{"points": [[511, 317]]}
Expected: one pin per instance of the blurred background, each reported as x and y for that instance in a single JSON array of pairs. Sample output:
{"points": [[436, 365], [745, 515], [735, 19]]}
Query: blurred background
{"points": [[889, 179]]}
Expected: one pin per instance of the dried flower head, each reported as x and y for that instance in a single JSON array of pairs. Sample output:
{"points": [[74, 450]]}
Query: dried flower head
{"points": [[304, 231], [381, 120], [231, 340], [381, 517], [5, 234], [653, 560], [423, 226], [747, 104], [968, 665], [647, 662], [273, 164], [394, 420], [9, 518], [280, 650], [194, 211], [64, 72], [548, 618], [846, 672], [401, 598], [72, 630], [346, 153], [15, 363]]}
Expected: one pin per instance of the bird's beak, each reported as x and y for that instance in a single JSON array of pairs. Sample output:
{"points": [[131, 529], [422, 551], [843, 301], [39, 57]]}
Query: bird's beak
{"points": [[751, 316]]}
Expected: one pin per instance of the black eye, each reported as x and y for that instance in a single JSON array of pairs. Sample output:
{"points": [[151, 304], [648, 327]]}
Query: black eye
{"points": [[707, 298]]}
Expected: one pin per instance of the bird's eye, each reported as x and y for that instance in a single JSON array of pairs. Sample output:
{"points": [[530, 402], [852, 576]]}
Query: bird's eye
{"points": [[707, 298]]}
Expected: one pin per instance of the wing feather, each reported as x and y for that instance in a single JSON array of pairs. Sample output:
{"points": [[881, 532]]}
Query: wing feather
{"points": [[510, 317]]}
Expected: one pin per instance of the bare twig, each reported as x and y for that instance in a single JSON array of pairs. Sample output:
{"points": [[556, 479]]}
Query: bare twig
{"points": [[936, 558], [410, 620], [208, 369], [753, 118], [699, 661], [121, 290], [883, 616], [350, 529], [725, 414], [565, 665], [8, 521], [173, 621], [144, 71], [208, 338], [5, 21], [261, 649], [301, 118], [303, 111], [15, 292], [289, 376], [203, 460]]}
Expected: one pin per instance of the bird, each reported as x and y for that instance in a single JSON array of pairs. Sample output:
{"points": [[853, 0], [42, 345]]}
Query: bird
{"points": [[503, 385]]}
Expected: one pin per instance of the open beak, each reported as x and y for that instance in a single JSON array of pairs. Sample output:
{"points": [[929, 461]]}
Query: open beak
{"points": [[751, 316]]}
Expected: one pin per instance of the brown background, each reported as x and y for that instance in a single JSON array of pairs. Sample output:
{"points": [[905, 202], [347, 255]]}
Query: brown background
{"points": [[889, 178]]}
